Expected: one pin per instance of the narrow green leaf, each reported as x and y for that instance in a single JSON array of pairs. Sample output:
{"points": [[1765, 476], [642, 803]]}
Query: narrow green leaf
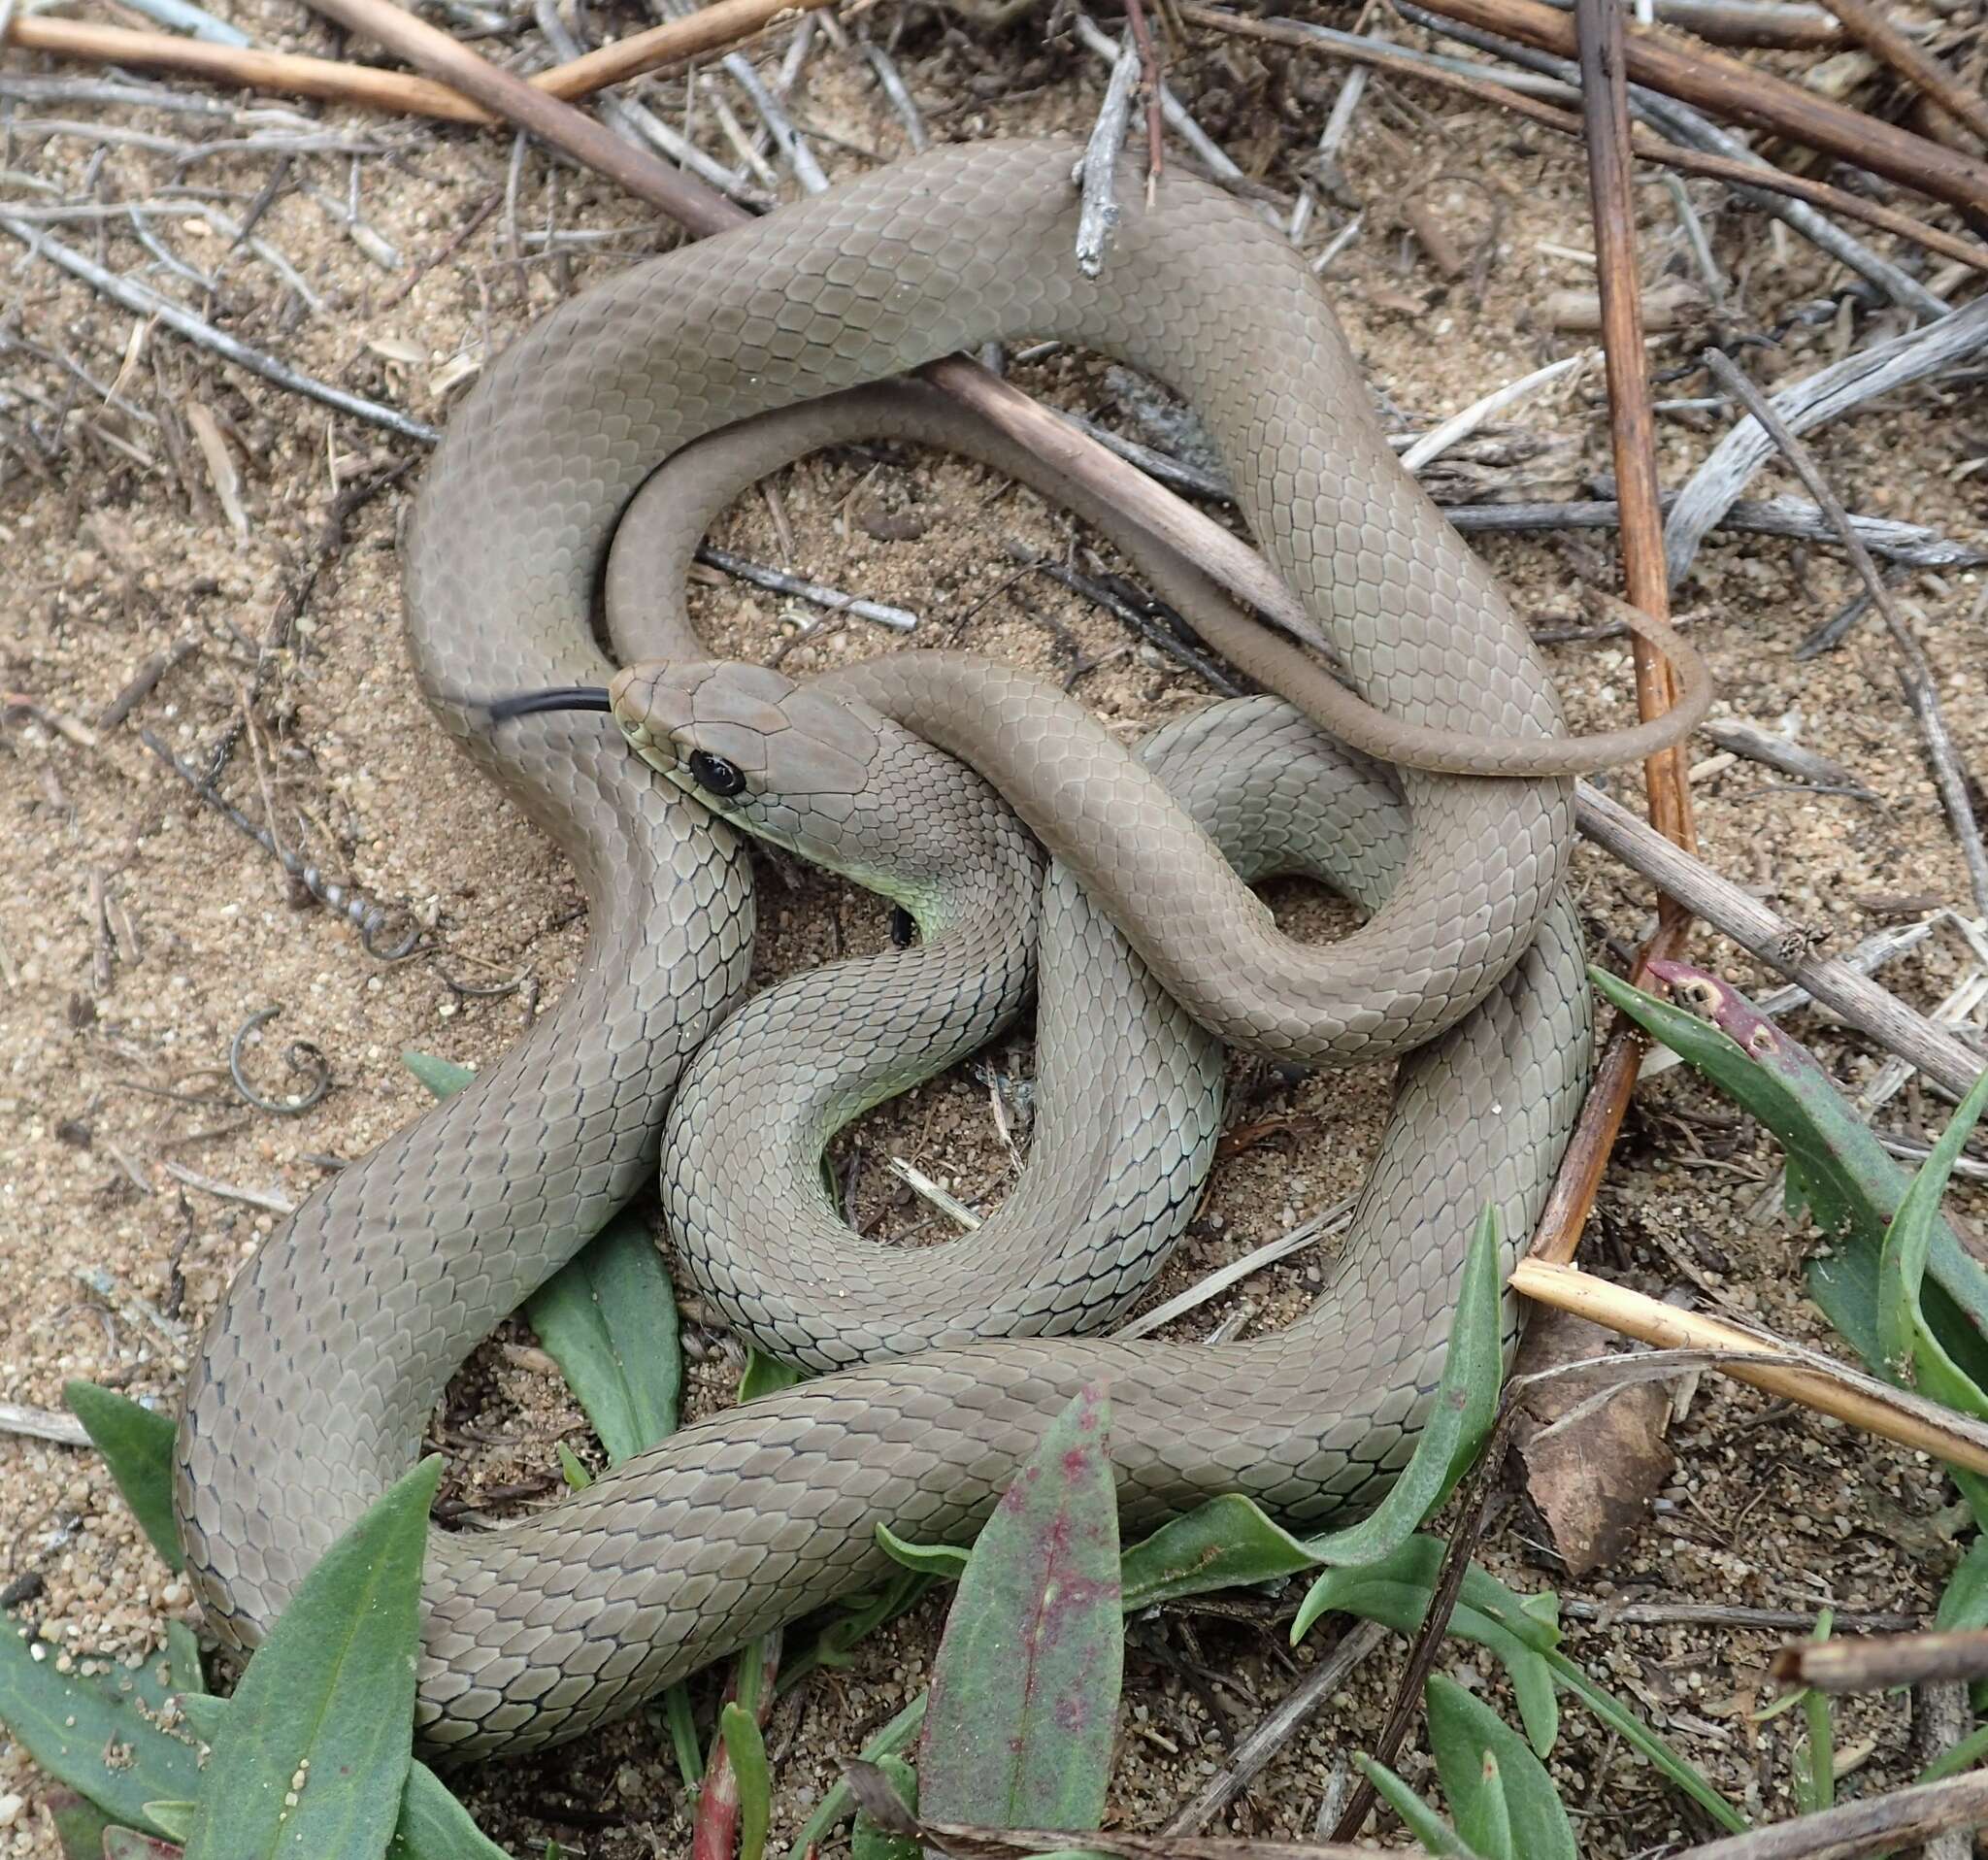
{"points": [[434, 1825], [1225, 1544], [1025, 1685], [1964, 1756], [1640, 1736], [1421, 1820], [895, 1736], [99, 1735], [1965, 1603], [442, 1076], [80, 1824], [1402, 1606], [872, 1842], [945, 1561], [682, 1727], [1837, 1167], [572, 1468], [176, 1817], [856, 1616], [1908, 1239], [1465, 1404], [313, 1755], [1815, 1782], [747, 1748], [137, 1446], [609, 1319], [183, 1655], [766, 1375], [1503, 1800]]}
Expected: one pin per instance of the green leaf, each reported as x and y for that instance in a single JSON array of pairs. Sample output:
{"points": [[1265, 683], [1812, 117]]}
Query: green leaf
{"points": [[747, 1748], [434, 1825], [1965, 1603], [1503, 1800], [80, 1824], [682, 1727], [1908, 1239], [99, 1735], [329, 1699], [1640, 1736], [946, 1562], [895, 1736], [1837, 1167], [183, 1655], [572, 1468], [872, 1842], [1225, 1544], [137, 1446], [609, 1319], [1816, 1782], [1466, 1405], [1421, 1820], [1397, 1592], [1965, 1755], [766, 1375], [176, 1817], [1025, 1684], [442, 1076], [856, 1616]]}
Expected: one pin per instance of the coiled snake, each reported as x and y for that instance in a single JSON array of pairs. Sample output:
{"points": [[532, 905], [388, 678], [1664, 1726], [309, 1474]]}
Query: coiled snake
{"points": [[325, 1363]]}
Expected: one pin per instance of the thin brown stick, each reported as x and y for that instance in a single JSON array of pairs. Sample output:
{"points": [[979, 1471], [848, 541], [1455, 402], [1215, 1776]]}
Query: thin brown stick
{"points": [[1779, 1369], [1254, 1751], [1871, 1662], [1646, 148], [1869, 27], [1915, 673], [1877, 1826], [1780, 942], [679, 40], [1741, 93], [1605, 106]]}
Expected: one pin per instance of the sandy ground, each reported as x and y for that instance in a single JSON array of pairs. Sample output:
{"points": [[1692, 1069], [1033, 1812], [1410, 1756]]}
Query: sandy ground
{"points": [[114, 1041]]}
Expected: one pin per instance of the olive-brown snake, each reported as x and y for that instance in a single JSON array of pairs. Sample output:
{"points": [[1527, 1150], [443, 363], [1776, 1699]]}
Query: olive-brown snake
{"points": [[320, 1370]]}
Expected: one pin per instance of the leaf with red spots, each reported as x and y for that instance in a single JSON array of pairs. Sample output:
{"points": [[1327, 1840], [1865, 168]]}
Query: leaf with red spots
{"points": [[1025, 1688]]}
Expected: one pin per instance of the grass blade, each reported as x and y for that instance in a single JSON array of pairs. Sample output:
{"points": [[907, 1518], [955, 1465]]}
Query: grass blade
{"points": [[1025, 1686], [314, 1752], [137, 1446]]}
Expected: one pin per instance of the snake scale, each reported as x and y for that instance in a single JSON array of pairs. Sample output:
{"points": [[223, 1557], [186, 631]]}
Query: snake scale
{"points": [[323, 1364]]}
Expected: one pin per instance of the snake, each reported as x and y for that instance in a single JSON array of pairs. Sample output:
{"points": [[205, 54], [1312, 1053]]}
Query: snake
{"points": [[321, 1366]]}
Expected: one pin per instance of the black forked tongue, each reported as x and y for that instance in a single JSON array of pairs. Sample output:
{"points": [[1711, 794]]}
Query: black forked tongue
{"points": [[563, 697]]}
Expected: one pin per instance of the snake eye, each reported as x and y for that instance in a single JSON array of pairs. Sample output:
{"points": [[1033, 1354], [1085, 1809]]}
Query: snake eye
{"points": [[714, 774]]}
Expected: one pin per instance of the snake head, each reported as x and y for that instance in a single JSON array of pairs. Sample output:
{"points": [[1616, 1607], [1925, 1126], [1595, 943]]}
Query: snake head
{"points": [[782, 760]]}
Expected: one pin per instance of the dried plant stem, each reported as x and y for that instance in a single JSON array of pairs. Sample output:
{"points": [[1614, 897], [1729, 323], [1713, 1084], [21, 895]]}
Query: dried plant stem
{"points": [[1779, 942], [1757, 176], [1874, 1662], [1781, 1369], [1871, 28], [1743, 93], [676, 42], [1605, 105]]}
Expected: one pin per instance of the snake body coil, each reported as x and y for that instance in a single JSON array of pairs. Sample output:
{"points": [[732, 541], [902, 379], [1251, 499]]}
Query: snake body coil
{"points": [[323, 1366]]}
